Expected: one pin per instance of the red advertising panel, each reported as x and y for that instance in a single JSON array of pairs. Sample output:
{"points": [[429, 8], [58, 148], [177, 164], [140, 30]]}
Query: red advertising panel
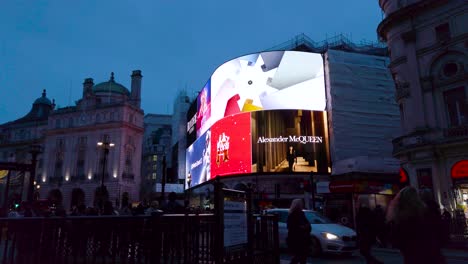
{"points": [[231, 145]]}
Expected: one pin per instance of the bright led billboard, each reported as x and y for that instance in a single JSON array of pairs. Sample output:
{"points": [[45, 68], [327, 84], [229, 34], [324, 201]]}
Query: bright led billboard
{"points": [[197, 162], [258, 108], [231, 145], [290, 141], [262, 81]]}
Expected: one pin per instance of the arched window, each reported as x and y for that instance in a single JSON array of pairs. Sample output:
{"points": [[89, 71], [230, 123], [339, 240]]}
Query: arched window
{"points": [[450, 89]]}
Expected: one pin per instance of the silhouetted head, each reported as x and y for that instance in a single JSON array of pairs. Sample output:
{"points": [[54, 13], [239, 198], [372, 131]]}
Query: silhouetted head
{"points": [[172, 196], [296, 205]]}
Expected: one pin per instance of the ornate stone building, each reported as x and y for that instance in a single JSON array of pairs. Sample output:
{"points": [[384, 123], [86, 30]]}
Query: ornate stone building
{"points": [[72, 163], [16, 139], [428, 45]]}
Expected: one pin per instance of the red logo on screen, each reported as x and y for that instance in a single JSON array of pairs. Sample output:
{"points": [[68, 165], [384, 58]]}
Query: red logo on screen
{"points": [[222, 149]]}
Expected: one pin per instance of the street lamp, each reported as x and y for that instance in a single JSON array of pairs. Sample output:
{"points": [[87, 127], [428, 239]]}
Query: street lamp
{"points": [[35, 150], [105, 145]]}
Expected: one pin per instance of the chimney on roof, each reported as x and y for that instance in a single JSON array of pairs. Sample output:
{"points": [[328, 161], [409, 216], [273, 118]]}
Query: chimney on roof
{"points": [[88, 87], [135, 95]]}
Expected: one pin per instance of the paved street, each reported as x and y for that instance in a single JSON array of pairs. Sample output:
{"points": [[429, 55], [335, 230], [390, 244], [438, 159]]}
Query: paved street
{"points": [[385, 256]]}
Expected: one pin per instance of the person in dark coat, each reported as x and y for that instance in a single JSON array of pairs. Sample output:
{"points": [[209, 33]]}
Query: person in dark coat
{"points": [[299, 229], [411, 232], [366, 231], [433, 224], [173, 207], [446, 222], [380, 226]]}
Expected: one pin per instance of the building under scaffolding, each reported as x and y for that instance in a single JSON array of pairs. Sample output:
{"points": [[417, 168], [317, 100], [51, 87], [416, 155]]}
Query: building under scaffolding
{"points": [[363, 118]]}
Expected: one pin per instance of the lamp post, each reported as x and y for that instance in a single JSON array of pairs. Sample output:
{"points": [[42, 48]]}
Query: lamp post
{"points": [[163, 182], [105, 145], [35, 150]]}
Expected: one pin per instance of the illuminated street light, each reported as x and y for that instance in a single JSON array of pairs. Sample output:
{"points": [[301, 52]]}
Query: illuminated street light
{"points": [[106, 146]]}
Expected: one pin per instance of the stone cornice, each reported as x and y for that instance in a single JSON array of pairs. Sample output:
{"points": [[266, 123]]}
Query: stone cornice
{"points": [[397, 61], [402, 14], [457, 78], [100, 126], [438, 46]]}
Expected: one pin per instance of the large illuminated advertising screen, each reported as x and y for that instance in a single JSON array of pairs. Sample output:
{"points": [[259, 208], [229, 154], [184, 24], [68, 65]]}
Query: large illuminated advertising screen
{"points": [[231, 145], [270, 95], [197, 163], [290, 141]]}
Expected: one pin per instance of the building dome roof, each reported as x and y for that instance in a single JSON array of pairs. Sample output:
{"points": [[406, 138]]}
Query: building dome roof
{"points": [[43, 99], [111, 86]]}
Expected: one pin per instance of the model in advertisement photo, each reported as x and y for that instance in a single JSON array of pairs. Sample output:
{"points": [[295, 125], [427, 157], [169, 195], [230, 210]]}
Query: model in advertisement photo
{"points": [[291, 157], [198, 163], [204, 109]]}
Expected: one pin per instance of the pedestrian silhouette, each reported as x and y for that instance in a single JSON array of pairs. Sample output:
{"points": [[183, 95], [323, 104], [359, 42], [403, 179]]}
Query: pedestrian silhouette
{"points": [[366, 231], [380, 226], [172, 206], [411, 232], [299, 229]]}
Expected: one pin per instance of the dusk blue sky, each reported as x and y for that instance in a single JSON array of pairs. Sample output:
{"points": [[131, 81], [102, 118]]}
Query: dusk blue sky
{"points": [[177, 45]]}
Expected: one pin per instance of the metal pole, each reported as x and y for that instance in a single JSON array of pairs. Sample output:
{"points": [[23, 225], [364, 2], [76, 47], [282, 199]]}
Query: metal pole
{"points": [[163, 182], [7, 190], [106, 151], [32, 175], [312, 183]]}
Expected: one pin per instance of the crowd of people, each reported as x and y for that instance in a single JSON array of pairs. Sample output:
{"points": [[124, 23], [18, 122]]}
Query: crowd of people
{"points": [[171, 206], [412, 223]]}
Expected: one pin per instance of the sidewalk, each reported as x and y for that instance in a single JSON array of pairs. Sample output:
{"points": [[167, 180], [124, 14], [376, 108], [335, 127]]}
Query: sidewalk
{"points": [[450, 253]]}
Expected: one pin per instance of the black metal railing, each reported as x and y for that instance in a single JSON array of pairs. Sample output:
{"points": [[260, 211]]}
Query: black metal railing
{"points": [[189, 238]]}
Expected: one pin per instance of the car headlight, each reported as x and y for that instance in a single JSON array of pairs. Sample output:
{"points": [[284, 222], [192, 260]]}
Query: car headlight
{"points": [[329, 236]]}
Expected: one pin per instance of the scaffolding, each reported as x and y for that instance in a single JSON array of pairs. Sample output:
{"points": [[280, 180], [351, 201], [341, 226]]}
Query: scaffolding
{"points": [[302, 42]]}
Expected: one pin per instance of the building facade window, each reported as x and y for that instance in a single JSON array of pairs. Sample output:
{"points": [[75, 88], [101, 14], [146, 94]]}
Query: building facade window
{"points": [[82, 141], [155, 157], [450, 69], [456, 106], [80, 163], [128, 162], [58, 164], [60, 144], [57, 123], [154, 176], [442, 32]]}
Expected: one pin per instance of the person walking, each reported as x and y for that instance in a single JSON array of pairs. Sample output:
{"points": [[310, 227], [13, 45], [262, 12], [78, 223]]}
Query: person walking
{"points": [[366, 231], [380, 226], [410, 232], [299, 229]]}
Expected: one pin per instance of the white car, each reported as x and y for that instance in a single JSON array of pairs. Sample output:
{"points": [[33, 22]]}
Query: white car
{"points": [[327, 237]]}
